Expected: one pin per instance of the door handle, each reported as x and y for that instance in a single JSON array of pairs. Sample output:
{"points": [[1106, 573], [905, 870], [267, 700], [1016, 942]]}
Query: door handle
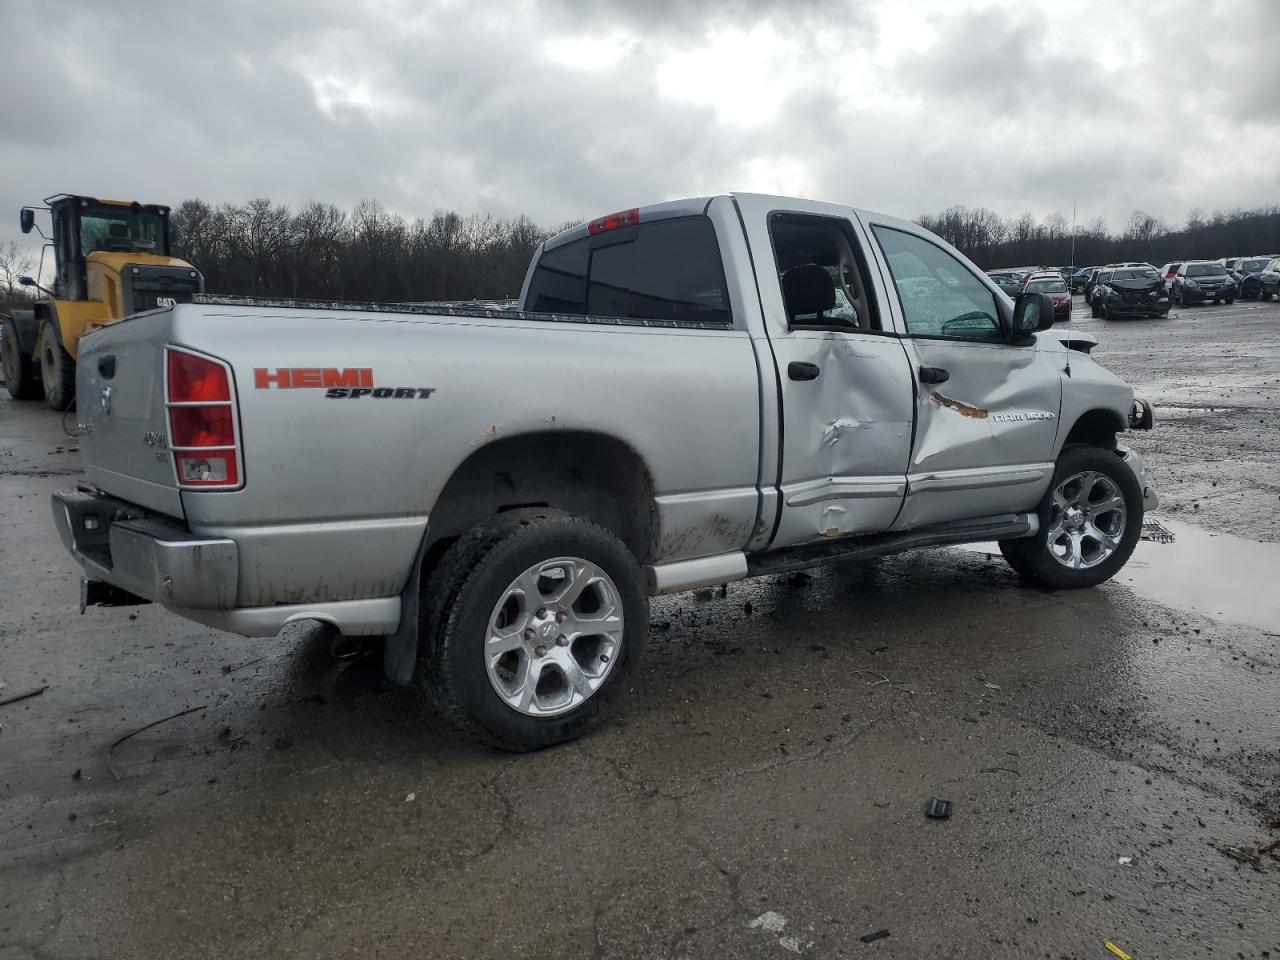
{"points": [[802, 370], [107, 367], [934, 375]]}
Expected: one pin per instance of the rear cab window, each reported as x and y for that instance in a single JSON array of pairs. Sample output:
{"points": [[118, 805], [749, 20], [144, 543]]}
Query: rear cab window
{"points": [[664, 270]]}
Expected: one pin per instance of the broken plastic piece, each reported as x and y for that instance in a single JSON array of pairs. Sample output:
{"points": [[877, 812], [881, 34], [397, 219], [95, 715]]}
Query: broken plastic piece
{"points": [[938, 809], [1116, 950], [878, 935]]}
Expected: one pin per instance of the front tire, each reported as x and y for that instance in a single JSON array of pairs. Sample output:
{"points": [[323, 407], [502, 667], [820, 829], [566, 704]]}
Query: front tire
{"points": [[1090, 521], [532, 622], [20, 377], [57, 369]]}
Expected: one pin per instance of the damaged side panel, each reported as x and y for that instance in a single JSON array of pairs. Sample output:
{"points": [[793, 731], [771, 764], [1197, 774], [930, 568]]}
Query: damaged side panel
{"points": [[847, 435], [985, 436]]}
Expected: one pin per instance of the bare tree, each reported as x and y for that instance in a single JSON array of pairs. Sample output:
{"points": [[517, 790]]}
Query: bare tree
{"points": [[14, 263]]}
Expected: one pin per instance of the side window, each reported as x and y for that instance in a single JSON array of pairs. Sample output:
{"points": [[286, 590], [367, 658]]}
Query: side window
{"points": [[822, 273], [939, 296], [668, 270]]}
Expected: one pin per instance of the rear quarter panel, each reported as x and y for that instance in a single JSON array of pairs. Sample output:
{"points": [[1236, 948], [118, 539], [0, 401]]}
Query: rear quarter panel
{"points": [[337, 492]]}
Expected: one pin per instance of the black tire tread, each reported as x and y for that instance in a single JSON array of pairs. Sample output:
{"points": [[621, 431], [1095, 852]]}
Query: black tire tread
{"points": [[60, 394], [440, 613], [27, 386], [1029, 556]]}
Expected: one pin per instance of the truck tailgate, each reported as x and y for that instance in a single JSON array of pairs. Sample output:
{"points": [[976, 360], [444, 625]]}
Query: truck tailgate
{"points": [[121, 413]]}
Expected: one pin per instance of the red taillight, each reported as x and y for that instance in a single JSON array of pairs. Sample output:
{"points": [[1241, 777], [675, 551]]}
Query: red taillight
{"points": [[193, 378], [614, 221], [201, 427], [202, 420]]}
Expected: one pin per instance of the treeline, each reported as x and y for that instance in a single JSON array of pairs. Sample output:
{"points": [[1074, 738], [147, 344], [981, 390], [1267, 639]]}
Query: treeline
{"points": [[992, 241], [320, 252]]}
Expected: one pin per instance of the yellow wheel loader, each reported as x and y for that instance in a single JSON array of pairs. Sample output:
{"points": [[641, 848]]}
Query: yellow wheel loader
{"points": [[111, 259]]}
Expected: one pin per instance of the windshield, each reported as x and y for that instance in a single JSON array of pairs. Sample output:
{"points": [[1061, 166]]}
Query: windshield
{"points": [[1047, 285], [1206, 270], [1137, 273], [119, 228], [1253, 266]]}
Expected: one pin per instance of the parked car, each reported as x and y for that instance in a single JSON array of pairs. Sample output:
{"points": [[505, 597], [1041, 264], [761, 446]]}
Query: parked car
{"points": [[1007, 280], [1131, 291], [1079, 277], [1169, 271], [691, 393], [1269, 281], [1202, 281], [1247, 273], [1055, 286], [1091, 281]]}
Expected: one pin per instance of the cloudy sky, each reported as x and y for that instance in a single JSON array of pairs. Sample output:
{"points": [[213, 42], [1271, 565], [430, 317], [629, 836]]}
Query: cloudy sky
{"points": [[565, 110]]}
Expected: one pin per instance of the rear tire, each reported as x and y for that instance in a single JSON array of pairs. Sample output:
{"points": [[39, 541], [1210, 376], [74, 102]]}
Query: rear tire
{"points": [[20, 376], [476, 661], [57, 369], [1072, 526]]}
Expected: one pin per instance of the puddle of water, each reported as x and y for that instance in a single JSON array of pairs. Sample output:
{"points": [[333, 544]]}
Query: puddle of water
{"points": [[1214, 574], [1217, 574]]}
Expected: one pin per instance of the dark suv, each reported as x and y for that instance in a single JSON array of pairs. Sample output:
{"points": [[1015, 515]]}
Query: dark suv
{"points": [[1202, 281], [1247, 273], [1133, 290]]}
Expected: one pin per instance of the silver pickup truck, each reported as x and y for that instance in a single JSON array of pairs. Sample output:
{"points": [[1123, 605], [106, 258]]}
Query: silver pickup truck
{"points": [[687, 394]]}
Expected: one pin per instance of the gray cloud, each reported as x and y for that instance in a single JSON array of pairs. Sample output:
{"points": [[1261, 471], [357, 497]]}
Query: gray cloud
{"points": [[564, 109]]}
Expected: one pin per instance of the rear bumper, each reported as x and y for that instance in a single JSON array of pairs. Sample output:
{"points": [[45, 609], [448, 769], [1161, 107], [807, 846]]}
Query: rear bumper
{"points": [[196, 577], [154, 560], [1197, 295]]}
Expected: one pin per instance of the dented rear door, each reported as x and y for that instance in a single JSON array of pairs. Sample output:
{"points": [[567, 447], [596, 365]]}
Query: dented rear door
{"points": [[843, 378], [986, 410]]}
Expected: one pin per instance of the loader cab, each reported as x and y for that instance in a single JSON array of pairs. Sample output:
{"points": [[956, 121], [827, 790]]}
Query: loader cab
{"points": [[83, 226]]}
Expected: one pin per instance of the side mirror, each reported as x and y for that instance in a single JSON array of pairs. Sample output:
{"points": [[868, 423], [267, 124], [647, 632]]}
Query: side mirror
{"points": [[26, 219], [26, 281], [1032, 312]]}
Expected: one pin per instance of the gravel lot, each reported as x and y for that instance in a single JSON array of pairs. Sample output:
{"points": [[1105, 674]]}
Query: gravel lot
{"points": [[1113, 755]]}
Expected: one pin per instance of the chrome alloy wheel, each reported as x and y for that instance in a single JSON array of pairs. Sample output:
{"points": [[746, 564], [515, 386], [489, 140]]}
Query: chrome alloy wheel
{"points": [[1089, 516], [554, 636]]}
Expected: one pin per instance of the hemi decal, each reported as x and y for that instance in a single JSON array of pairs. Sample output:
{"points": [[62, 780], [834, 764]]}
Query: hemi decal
{"points": [[293, 378]]}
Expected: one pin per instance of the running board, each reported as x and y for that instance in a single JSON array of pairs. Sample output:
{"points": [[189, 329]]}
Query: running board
{"points": [[1009, 526]]}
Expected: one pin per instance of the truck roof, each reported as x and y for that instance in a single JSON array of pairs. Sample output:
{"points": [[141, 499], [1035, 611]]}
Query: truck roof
{"points": [[694, 206]]}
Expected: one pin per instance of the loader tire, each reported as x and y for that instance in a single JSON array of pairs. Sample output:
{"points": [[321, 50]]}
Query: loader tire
{"points": [[57, 369], [21, 378]]}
